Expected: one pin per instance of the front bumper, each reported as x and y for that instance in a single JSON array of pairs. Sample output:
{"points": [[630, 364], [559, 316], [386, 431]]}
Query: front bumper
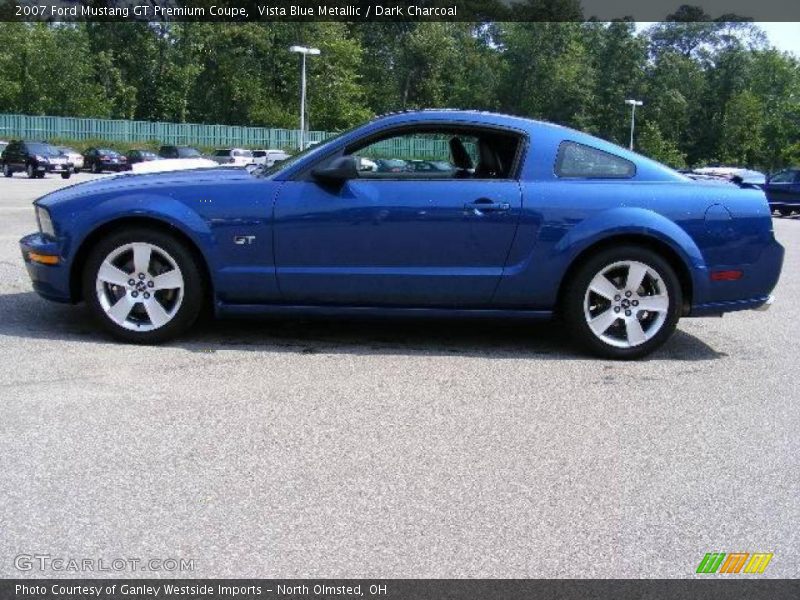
{"points": [[54, 168], [49, 281]]}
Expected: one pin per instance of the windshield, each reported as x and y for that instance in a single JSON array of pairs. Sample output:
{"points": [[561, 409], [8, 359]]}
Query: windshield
{"points": [[42, 149], [290, 160]]}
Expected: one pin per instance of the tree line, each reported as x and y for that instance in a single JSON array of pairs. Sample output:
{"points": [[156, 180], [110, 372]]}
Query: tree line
{"points": [[713, 91]]}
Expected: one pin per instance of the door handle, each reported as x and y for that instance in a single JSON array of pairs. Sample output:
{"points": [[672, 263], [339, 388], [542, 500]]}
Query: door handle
{"points": [[484, 205]]}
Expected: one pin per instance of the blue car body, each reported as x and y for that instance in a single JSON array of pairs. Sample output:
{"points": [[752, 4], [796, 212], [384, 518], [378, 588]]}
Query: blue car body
{"points": [[282, 241]]}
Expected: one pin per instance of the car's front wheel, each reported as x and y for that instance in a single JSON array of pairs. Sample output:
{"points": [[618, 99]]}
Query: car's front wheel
{"points": [[143, 286], [785, 211], [31, 171], [65, 175], [623, 302], [7, 170]]}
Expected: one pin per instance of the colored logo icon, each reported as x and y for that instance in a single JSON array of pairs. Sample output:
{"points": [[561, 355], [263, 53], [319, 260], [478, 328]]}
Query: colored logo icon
{"points": [[737, 562]]}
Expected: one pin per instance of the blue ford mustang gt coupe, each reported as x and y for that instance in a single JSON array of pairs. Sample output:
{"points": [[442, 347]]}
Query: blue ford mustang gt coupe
{"points": [[519, 219]]}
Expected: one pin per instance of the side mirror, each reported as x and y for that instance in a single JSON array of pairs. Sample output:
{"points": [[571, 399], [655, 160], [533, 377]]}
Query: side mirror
{"points": [[338, 171]]}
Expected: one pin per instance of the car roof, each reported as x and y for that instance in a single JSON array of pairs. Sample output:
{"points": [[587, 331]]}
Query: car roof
{"points": [[465, 116]]}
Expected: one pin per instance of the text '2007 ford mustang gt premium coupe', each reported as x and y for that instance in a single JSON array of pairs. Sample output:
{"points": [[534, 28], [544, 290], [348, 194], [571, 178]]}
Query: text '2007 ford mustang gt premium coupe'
{"points": [[518, 218]]}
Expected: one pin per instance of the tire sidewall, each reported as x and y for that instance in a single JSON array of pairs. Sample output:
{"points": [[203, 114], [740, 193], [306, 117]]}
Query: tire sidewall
{"points": [[193, 291], [576, 291]]}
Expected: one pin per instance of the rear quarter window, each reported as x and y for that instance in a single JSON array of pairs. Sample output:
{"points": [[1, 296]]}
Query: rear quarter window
{"points": [[576, 160]]}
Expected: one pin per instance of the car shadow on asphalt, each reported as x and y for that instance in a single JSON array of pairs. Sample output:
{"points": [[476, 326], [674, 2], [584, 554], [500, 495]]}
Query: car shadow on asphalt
{"points": [[28, 316]]}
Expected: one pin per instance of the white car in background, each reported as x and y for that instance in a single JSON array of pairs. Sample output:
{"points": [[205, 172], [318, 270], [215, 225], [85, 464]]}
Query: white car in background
{"points": [[268, 158], [173, 164], [73, 156], [235, 157]]}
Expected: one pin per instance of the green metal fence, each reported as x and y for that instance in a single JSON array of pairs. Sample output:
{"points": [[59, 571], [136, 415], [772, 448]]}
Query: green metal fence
{"points": [[45, 128], [219, 136]]}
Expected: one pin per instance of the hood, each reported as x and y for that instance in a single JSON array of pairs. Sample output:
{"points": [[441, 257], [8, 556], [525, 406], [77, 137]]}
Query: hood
{"points": [[128, 183]]}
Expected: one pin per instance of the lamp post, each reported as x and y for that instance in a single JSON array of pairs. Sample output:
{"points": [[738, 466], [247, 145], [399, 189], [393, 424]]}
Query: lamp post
{"points": [[633, 104], [303, 51]]}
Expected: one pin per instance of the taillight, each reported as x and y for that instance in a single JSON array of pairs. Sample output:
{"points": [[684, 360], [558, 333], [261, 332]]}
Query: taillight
{"points": [[732, 275]]}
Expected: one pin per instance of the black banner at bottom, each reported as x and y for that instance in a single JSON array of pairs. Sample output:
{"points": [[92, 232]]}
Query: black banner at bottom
{"points": [[397, 589]]}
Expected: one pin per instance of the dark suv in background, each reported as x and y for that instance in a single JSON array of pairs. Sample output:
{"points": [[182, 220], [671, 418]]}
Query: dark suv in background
{"points": [[35, 159], [98, 160], [179, 152]]}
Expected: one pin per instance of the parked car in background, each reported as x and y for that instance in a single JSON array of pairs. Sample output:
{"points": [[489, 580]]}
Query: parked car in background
{"points": [[35, 159], [98, 160], [432, 167], [73, 156], [136, 156], [391, 165], [541, 220], [172, 164], [783, 191], [179, 152], [236, 157], [268, 158]]}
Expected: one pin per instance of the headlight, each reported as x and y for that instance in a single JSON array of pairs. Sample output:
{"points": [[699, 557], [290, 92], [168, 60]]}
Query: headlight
{"points": [[45, 222]]}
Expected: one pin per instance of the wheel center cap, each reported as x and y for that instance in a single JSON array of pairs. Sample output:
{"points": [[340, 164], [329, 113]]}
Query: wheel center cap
{"points": [[626, 303], [141, 286]]}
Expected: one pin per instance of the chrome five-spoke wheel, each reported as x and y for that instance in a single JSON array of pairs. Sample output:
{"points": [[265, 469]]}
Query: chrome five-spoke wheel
{"points": [[626, 304], [144, 285], [623, 302], [140, 286]]}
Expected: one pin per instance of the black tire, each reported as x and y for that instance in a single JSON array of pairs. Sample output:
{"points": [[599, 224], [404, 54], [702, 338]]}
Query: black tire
{"points": [[572, 307], [40, 175], [95, 168], [31, 171], [7, 172], [65, 175], [784, 211], [193, 290]]}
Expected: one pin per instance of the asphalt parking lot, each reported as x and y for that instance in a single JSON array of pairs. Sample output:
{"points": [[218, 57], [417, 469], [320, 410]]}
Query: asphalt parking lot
{"points": [[394, 449]]}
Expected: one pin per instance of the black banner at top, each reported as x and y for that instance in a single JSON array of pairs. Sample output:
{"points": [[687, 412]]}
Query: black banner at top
{"points": [[390, 10]]}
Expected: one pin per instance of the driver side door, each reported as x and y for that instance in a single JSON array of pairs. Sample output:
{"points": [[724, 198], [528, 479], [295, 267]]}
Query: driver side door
{"points": [[434, 237]]}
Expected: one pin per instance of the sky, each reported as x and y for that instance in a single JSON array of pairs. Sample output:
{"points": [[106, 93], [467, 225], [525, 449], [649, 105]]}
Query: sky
{"points": [[784, 36]]}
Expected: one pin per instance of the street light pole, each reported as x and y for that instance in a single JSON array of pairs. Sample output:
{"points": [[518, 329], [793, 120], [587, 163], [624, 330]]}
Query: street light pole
{"points": [[303, 51], [633, 104]]}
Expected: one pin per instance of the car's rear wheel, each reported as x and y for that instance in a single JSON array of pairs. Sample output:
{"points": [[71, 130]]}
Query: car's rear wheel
{"points": [[785, 212], [623, 302], [7, 170], [30, 171], [65, 175], [95, 168], [143, 286]]}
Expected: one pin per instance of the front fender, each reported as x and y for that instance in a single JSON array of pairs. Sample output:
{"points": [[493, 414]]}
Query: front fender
{"points": [[161, 208], [81, 224]]}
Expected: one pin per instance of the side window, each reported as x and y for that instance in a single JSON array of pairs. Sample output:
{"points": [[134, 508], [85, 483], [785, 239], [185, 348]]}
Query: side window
{"points": [[579, 161], [438, 154], [783, 177]]}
